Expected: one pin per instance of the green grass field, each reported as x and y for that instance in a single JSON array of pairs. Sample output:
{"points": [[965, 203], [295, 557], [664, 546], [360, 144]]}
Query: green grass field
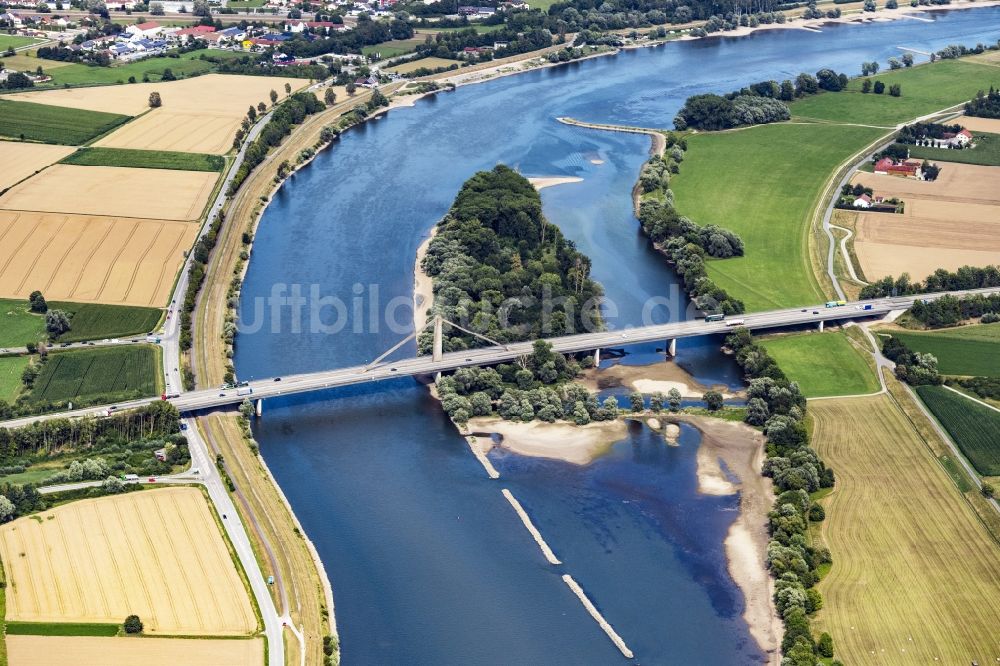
{"points": [[763, 183], [967, 350], [90, 321], [145, 159], [11, 368], [54, 124], [393, 48], [62, 629], [925, 89], [16, 41], [986, 152], [80, 75], [103, 374], [824, 364], [975, 428]]}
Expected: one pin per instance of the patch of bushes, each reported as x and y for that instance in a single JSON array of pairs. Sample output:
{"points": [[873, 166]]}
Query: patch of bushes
{"points": [[911, 367], [985, 105]]}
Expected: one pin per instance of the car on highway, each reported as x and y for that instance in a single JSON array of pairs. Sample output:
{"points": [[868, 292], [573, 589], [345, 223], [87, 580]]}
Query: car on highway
{"points": [[152, 479], [222, 395], [277, 379], [815, 311]]}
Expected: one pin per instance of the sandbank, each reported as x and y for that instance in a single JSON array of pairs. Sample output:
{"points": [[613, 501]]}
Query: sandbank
{"points": [[741, 448], [423, 286], [650, 379], [564, 441], [542, 182]]}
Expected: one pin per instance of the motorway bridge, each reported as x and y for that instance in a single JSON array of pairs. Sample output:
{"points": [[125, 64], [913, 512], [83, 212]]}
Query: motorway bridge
{"points": [[261, 389]]}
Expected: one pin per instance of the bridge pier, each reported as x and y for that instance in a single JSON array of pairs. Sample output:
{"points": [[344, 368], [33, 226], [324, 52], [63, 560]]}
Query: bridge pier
{"points": [[597, 358], [821, 322], [259, 407], [672, 348], [438, 338]]}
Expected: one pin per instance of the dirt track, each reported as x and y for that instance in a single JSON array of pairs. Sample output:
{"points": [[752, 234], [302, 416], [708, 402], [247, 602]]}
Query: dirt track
{"points": [[160, 194], [91, 258], [86, 650], [156, 553]]}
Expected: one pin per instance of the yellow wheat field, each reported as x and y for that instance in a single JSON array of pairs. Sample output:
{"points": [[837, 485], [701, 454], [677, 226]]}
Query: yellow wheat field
{"points": [[98, 651], [915, 577], [85, 258], [20, 160], [160, 194], [200, 132], [948, 223], [212, 93], [156, 553]]}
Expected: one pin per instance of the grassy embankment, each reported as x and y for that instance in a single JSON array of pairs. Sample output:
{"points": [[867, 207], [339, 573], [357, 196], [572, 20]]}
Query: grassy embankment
{"points": [[774, 177], [89, 321], [11, 368], [915, 578], [824, 364], [15, 41], [145, 159], [975, 428], [54, 124], [966, 350], [99, 375]]}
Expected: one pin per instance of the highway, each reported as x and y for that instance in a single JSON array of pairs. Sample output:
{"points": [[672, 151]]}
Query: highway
{"points": [[191, 401]]}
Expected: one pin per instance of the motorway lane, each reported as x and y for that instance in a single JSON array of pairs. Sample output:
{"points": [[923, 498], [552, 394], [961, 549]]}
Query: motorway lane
{"points": [[423, 365]]}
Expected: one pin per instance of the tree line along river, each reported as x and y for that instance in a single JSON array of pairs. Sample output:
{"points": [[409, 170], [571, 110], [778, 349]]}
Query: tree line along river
{"points": [[427, 560]]}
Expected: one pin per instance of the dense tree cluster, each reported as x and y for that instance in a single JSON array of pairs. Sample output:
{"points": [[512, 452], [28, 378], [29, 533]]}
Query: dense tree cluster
{"points": [[953, 51], [950, 311], [366, 33], [921, 133], [16, 81], [777, 405], [685, 243], [985, 105], [516, 40], [499, 268], [911, 367], [604, 15], [966, 277], [984, 387], [291, 112], [537, 386]]}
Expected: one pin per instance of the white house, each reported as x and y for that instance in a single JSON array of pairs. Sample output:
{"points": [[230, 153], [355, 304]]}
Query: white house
{"points": [[864, 201], [148, 30]]}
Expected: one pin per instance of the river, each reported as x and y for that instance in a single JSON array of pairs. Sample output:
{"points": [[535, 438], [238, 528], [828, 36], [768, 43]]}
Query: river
{"points": [[428, 562]]}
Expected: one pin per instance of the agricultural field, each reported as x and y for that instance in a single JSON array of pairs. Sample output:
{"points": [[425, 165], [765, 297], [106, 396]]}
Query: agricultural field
{"points": [[975, 428], [99, 375], [15, 41], [393, 48], [925, 89], [824, 364], [145, 159], [915, 577], [11, 368], [75, 74], [52, 124], [429, 63], [115, 260], [47, 650], [967, 350], [947, 223], [113, 191], [769, 197], [975, 124], [90, 321], [156, 553], [986, 152], [20, 160]]}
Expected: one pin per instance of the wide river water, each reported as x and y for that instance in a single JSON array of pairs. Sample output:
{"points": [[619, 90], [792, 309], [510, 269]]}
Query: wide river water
{"points": [[428, 562]]}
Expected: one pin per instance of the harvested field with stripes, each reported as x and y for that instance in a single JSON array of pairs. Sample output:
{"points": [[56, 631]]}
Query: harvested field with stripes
{"points": [[20, 160], [149, 193], [156, 553], [915, 577], [60, 650], [90, 259]]}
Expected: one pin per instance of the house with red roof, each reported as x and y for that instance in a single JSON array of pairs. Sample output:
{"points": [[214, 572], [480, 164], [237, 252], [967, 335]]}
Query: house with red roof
{"points": [[905, 169]]}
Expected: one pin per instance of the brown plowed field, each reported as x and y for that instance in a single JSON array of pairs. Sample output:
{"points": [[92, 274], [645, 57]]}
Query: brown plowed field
{"points": [[951, 222], [93, 650], [973, 124], [20, 160], [159, 194], [155, 553], [91, 258]]}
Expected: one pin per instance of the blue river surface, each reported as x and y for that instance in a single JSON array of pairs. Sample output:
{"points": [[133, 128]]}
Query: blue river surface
{"points": [[427, 560]]}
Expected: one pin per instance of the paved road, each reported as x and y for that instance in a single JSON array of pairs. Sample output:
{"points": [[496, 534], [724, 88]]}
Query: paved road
{"points": [[425, 365]]}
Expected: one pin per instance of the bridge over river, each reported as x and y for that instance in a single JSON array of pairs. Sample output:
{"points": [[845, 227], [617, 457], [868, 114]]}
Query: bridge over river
{"points": [[260, 389]]}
